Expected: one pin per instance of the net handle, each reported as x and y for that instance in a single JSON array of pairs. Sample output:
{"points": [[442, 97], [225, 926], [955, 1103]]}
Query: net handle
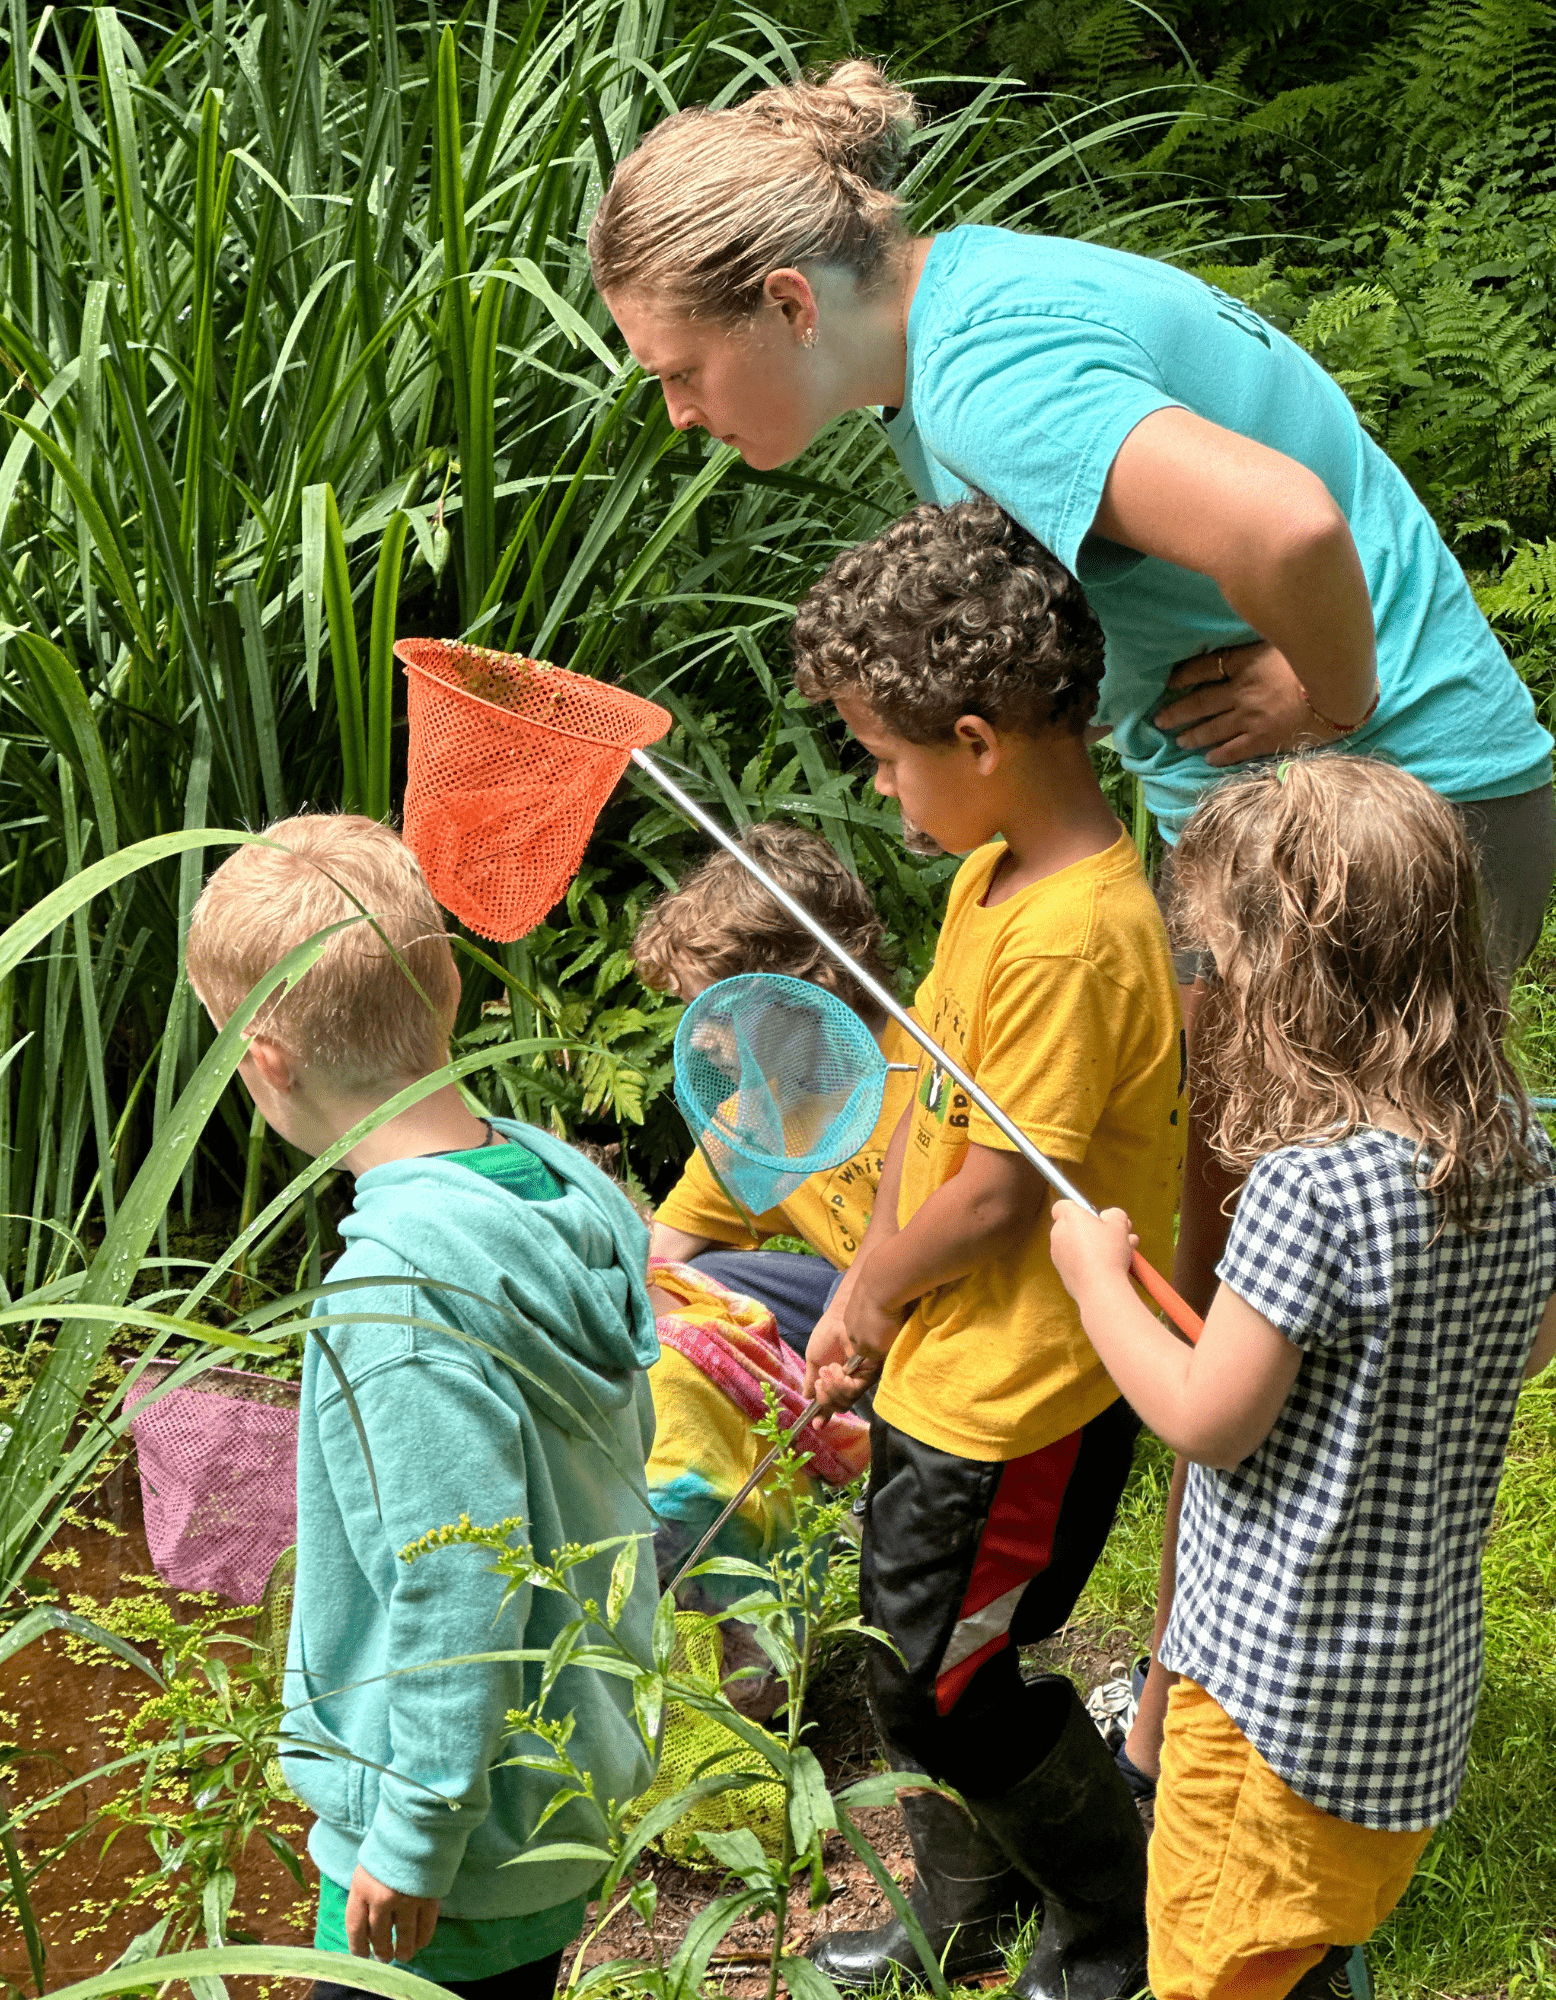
{"points": [[1177, 1309]]}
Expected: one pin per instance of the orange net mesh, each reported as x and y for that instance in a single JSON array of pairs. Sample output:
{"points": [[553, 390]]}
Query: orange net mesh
{"points": [[511, 762]]}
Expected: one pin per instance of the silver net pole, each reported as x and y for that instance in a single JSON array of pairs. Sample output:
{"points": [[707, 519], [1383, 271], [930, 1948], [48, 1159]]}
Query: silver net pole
{"points": [[1055, 1176]]}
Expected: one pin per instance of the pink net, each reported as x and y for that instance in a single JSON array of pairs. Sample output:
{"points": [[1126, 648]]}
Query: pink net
{"points": [[218, 1478]]}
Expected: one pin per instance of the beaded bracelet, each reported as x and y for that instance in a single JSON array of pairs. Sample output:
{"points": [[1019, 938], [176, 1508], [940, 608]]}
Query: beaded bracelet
{"points": [[1344, 728]]}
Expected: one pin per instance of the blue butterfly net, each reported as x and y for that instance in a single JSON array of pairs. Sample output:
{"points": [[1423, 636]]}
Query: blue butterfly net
{"points": [[779, 1080]]}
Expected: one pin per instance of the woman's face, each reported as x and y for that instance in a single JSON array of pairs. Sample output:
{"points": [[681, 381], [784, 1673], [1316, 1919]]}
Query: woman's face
{"points": [[752, 385]]}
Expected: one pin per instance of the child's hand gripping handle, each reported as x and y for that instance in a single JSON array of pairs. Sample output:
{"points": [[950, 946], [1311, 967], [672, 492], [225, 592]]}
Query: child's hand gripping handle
{"points": [[861, 1368]]}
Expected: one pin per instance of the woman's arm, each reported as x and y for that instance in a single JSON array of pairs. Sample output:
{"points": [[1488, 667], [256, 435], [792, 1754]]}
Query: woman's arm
{"points": [[1214, 1403], [1269, 534]]}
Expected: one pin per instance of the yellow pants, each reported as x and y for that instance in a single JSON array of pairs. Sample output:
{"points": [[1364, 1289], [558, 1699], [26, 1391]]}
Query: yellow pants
{"points": [[1250, 1885]]}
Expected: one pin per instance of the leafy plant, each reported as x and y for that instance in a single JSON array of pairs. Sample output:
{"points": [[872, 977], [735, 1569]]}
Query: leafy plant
{"points": [[795, 1611]]}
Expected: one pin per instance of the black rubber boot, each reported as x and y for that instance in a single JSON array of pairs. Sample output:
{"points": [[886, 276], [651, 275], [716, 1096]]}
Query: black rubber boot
{"points": [[1072, 1826], [970, 1900], [1341, 1974]]}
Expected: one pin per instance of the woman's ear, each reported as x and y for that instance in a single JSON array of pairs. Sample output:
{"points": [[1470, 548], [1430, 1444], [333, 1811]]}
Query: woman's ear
{"points": [[790, 291]]}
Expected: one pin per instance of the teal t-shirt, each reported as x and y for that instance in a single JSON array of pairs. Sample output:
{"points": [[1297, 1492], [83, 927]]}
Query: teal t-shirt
{"points": [[1032, 358], [464, 1948]]}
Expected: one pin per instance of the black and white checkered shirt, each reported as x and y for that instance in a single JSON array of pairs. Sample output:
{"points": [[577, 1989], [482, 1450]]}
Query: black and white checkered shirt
{"points": [[1328, 1590]]}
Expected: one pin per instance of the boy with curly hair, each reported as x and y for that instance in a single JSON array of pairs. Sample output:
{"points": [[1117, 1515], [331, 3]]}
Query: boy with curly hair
{"points": [[965, 659], [720, 921]]}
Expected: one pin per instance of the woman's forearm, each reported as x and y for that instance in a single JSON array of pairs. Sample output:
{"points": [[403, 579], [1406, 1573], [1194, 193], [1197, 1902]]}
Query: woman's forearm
{"points": [[1269, 534], [1310, 599]]}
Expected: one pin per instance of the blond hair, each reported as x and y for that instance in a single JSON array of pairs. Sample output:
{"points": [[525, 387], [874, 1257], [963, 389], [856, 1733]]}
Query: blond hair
{"points": [[721, 920], [379, 1004], [1344, 899], [710, 202]]}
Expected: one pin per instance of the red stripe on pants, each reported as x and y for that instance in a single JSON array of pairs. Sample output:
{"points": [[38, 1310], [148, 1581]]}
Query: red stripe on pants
{"points": [[1015, 1546]]}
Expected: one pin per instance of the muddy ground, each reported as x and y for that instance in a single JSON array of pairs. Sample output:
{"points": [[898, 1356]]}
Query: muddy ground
{"points": [[62, 1717]]}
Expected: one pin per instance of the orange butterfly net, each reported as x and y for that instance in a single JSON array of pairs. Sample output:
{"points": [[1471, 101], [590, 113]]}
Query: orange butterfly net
{"points": [[511, 763]]}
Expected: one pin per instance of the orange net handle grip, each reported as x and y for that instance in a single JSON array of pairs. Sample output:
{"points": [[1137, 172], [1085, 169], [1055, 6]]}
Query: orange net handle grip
{"points": [[1178, 1310]]}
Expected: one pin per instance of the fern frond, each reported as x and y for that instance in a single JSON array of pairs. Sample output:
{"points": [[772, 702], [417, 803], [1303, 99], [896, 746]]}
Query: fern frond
{"points": [[1525, 592], [1336, 311]]}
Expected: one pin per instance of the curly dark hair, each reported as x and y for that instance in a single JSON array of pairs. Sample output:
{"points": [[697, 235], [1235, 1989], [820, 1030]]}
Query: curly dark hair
{"points": [[952, 611]]}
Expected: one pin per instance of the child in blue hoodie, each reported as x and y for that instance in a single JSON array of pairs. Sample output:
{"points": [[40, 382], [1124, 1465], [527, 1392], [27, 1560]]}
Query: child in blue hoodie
{"points": [[525, 1254]]}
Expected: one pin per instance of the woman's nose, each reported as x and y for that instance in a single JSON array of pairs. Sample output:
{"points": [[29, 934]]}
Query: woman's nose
{"points": [[683, 412]]}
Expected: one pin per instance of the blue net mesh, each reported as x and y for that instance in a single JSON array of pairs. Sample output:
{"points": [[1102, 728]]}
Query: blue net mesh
{"points": [[779, 1080]]}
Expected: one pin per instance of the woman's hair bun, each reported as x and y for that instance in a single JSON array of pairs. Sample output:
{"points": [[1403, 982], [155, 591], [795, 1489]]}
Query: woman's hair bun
{"points": [[854, 115], [800, 174]]}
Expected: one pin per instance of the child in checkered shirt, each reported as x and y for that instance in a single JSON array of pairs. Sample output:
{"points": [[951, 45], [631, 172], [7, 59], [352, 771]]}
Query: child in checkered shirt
{"points": [[1386, 1289]]}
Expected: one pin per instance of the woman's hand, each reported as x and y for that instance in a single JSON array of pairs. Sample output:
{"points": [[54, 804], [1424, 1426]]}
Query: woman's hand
{"points": [[1239, 703]]}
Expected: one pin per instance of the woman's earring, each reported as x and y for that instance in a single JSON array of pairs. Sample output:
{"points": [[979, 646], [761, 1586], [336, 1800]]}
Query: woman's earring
{"points": [[808, 337]]}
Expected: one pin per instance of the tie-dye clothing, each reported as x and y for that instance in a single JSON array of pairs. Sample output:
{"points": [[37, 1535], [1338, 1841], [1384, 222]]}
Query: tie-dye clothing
{"points": [[719, 1355]]}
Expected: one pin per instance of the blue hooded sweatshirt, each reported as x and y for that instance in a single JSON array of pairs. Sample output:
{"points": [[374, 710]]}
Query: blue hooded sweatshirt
{"points": [[422, 1798]]}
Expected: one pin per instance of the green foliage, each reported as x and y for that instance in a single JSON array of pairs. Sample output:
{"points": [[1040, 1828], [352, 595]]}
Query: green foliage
{"points": [[797, 1605], [301, 353], [204, 1742]]}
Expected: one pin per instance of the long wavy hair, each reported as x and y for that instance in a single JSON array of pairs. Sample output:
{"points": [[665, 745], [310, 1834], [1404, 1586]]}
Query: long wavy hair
{"points": [[1342, 898]]}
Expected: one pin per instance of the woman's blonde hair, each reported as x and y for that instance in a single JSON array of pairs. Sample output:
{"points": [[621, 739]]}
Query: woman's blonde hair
{"points": [[712, 201], [1343, 898], [721, 920], [354, 1013]]}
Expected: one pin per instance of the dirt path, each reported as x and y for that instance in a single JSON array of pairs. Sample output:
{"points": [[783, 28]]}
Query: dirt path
{"points": [[64, 1714]]}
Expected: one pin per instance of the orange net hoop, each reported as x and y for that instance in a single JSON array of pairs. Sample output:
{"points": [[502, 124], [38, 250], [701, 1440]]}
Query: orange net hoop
{"points": [[511, 762]]}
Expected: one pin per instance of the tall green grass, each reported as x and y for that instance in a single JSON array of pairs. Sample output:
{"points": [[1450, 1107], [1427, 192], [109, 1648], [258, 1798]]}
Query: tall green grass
{"points": [[299, 352]]}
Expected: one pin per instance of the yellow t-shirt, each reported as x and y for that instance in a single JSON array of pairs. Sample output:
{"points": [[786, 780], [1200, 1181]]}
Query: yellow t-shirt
{"points": [[1061, 1001], [830, 1210]]}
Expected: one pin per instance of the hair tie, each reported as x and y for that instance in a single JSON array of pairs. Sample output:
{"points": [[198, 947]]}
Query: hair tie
{"points": [[1281, 769]]}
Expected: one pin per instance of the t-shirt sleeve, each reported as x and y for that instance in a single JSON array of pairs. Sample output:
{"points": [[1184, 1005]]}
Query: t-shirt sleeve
{"points": [[1052, 1027], [699, 1207], [1289, 1253], [1031, 410]]}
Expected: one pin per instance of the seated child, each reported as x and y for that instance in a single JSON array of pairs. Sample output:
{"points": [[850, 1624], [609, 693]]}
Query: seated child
{"points": [[1388, 1284], [721, 921], [965, 659], [719, 1356], [461, 1226]]}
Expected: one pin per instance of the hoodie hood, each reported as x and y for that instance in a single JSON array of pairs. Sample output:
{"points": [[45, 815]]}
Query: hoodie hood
{"points": [[559, 1286]]}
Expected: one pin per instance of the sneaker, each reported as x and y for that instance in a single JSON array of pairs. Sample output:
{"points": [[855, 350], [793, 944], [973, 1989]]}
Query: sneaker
{"points": [[1111, 1706]]}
